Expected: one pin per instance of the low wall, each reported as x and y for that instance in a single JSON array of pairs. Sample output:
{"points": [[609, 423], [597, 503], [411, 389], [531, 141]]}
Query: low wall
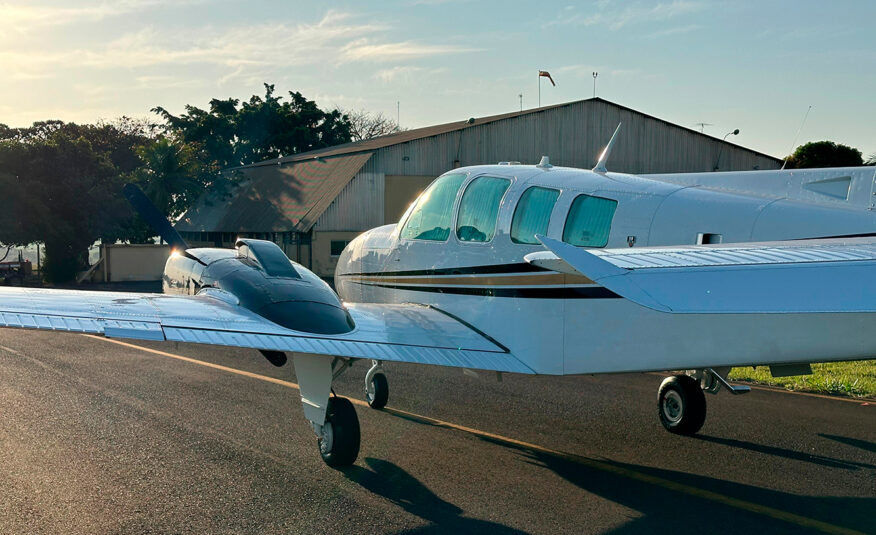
{"points": [[122, 262]]}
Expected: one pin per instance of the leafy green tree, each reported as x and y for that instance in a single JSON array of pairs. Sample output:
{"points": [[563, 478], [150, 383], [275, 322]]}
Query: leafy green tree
{"points": [[174, 175], [235, 134], [61, 191], [824, 154]]}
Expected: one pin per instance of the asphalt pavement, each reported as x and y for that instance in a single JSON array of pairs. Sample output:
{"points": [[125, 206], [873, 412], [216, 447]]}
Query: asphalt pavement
{"points": [[99, 437]]}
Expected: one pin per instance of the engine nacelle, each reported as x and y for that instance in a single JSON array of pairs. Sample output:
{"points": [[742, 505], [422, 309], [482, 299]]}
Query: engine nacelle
{"points": [[262, 279]]}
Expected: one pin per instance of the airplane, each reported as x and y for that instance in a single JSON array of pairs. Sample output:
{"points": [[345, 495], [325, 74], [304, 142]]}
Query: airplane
{"points": [[530, 269]]}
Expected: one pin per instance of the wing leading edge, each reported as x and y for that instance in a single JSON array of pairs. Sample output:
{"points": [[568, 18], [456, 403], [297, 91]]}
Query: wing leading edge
{"points": [[400, 333], [806, 276]]}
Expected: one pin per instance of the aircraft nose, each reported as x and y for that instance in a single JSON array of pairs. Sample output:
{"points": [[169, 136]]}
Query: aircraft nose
{"points": [[309, 316]]}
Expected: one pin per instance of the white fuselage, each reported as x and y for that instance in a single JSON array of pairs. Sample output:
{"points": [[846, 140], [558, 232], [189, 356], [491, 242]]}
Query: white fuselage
{"points": [[566, 324]]}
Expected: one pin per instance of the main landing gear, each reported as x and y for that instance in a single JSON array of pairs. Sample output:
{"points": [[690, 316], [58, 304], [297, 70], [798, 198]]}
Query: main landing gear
{"points": [[333, 418], [681, 405]]}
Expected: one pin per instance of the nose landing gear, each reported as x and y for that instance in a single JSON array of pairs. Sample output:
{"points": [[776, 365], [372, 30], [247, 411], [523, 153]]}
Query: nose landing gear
{"points": [[376, 386]]}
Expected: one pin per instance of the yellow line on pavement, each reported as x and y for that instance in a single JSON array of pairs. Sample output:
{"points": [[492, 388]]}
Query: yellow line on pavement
{"points": [[604, 466]]}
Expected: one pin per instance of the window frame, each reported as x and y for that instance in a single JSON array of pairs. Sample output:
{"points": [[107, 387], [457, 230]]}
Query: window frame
{"points": [[402, 224], [458, 206], [569, 214], [559, 193]]}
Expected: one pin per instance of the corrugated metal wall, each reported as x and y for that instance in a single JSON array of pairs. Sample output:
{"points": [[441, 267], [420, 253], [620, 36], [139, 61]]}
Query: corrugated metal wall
{"points": [[359, 205]]}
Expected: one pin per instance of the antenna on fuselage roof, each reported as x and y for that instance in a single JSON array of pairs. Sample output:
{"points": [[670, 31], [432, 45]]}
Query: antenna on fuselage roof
{"points": [[603, 158]]}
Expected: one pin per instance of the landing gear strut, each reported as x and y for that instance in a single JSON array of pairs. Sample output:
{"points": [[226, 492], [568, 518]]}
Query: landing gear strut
{"points": [[376, 386], [681, 405], [333, 418]]}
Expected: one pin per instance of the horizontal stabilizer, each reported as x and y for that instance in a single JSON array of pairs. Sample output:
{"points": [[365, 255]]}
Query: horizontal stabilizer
{"points": [[805, 276]]}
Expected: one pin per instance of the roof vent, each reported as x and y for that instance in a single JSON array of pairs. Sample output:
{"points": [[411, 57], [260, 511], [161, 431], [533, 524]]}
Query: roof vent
{"points": [[545, 163]]}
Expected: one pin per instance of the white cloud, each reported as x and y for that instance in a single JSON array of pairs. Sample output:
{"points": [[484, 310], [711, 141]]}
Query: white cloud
{"points": [[405, 73], [364, 50], [677, 30], [23, 16], [244, 50], [614, 18]]}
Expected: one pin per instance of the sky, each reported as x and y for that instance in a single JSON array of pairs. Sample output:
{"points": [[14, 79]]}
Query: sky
{"points": [[755, 66]]}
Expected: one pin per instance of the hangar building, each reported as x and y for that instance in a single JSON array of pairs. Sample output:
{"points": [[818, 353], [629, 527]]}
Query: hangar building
{"points": [[312, 204]]}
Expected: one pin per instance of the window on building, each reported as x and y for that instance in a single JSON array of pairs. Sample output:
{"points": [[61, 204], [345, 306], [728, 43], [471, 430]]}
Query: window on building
{"points": [[430, 217], [479, 208], [589, 221], [338, 246], [533, 214]]}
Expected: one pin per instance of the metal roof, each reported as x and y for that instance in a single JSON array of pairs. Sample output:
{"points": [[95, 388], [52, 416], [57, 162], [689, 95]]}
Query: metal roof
{"points": [[429, 131], [278, 198]]}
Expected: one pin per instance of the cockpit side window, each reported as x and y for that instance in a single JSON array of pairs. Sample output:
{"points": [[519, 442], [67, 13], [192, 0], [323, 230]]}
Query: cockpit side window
{"points": [[533, 214], [430, 217], [589, 221], [479, 208]]}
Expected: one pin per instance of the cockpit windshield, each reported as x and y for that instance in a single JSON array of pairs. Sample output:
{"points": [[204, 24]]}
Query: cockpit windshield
{"points": [[430, 217], [268, 256]]}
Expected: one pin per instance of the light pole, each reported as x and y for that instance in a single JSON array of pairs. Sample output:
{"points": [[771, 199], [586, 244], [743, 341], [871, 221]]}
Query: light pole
{"points": [[595, 74], [717, 161]]}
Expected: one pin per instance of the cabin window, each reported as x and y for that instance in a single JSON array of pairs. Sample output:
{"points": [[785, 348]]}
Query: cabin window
{"points": [[479, 208], [589, 221], [430, 217], [533, 214]]}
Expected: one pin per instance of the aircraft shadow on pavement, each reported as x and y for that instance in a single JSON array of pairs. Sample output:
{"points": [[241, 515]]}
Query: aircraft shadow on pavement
{"points": [[393, 483], [795, 455], [665, 509], [855, 442]]}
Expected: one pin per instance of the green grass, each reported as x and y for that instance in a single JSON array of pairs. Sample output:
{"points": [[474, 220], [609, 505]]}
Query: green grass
{"points": [[855, 379]]}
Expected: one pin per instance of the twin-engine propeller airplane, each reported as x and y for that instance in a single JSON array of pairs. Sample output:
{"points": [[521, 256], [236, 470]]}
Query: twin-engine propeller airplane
{"points": [[531, 270]]}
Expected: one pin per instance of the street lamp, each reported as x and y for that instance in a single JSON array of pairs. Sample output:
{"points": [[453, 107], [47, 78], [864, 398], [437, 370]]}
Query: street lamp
{"points": [[733, 133]]}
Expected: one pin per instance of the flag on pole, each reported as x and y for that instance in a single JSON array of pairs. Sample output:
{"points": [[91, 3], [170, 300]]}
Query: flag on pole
{"points": [[548, 76]]}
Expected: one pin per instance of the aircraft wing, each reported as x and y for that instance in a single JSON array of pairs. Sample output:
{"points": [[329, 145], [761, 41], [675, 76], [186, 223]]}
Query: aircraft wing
{"points": [[401, 333], [805, 276]]}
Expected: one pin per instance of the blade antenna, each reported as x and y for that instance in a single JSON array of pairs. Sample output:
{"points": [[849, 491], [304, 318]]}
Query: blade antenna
{"points": [[153, 217], [603, 158]]}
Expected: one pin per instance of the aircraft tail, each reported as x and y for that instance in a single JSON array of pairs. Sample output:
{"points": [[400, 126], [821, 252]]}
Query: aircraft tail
{"points": [[153, 217]]}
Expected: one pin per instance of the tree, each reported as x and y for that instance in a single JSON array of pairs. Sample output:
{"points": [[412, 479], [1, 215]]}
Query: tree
{"points": [[366, 125], [871, 160], [235, 134], [60, 191], [174, 175], [824, 154]]}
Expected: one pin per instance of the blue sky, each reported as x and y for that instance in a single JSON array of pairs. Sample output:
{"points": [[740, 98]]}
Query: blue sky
{"points": [[756, 66]]}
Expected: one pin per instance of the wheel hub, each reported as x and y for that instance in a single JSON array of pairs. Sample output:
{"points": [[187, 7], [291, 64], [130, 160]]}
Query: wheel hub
{"points": [[672, 406], [326, 441]]}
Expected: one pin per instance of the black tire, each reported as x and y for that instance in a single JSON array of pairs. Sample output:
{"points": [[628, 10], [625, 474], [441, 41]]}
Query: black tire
{"points": [[681, 405], [344, 428], [378, 399]]}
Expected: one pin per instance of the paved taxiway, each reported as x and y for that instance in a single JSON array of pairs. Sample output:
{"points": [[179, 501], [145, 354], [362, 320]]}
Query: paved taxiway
{"points": [[99, 437]]}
